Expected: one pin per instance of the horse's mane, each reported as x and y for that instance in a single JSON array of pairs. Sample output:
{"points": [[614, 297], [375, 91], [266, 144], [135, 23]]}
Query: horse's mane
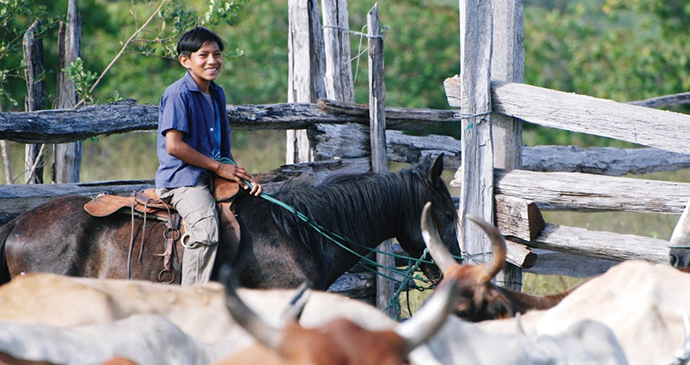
{"points": [[346, 204]]}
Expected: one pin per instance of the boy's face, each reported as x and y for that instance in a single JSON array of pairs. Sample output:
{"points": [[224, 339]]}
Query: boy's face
{"points": [[204, 64]]}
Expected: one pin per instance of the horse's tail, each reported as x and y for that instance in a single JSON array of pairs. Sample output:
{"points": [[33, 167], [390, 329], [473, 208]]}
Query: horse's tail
{"points": [[4, 233]]}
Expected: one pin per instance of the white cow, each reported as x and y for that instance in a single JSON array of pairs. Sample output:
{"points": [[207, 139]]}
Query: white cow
{"points": [[84, 321], [643, 303]]}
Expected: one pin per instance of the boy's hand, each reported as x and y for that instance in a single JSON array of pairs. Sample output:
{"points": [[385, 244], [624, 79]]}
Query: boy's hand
{"points": [[239, 175]]}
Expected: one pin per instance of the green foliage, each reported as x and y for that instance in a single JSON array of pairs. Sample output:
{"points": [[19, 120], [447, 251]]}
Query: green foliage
{"points": [[82, 79], [16, 16]]}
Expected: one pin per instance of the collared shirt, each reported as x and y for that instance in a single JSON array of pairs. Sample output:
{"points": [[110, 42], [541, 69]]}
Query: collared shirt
{"points": [[183, 107]]}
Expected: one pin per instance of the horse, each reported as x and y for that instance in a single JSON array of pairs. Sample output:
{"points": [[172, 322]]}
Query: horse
{"points": [[277, 248]]}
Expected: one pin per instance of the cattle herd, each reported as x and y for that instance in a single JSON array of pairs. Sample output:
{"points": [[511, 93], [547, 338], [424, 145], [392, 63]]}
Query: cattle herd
{"points": [[636, 313]]}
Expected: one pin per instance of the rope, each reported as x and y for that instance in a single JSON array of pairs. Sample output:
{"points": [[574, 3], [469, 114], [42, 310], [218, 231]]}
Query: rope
{"points": [[394, 301], [332, 237]]}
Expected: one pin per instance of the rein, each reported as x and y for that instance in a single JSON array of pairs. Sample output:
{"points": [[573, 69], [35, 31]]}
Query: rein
{"points": [[338, 240]]}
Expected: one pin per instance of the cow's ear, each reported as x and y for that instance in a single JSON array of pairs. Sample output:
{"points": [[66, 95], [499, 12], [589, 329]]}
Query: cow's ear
{"points": [[436, 168]]}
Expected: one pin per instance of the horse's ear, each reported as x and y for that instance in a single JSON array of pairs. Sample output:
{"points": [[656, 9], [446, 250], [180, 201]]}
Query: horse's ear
{"points": [[436, 168]]}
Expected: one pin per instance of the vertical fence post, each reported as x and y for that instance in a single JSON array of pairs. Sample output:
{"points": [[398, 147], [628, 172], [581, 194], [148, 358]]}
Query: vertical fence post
{"points": [[508, 64], [338, 78], [306, 67], [35, 100], [477, 147], [67, 156], [385, 289], [6, 159]]}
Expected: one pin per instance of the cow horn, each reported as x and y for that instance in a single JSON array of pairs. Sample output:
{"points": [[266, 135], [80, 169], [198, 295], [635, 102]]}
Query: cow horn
{"points": [[438, 251], [498, 245], [293, 311], [262, 331], [681, 232], [429, 319]]}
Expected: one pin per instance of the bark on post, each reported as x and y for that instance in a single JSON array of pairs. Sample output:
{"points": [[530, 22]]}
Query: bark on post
{"points": [[67, 157], [35, 99], [306, 67], [385, 288], [508, 64], [477, 147], [6, 159]]}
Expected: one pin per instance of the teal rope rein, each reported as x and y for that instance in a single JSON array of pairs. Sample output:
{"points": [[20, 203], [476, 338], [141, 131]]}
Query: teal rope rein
{"points": [[337, 239]]}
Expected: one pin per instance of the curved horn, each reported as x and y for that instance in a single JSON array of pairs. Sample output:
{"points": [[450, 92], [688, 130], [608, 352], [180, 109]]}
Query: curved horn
{"points": [[681, 232], [293, 311], [438, 251], [498, 244], [429, 319], [261, 330]]}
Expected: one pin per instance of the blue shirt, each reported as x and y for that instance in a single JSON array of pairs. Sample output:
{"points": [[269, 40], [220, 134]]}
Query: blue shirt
{"points": [[183, 108]]}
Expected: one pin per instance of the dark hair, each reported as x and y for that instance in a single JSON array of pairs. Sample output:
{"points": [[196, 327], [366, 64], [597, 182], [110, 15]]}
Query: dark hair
{"points": [[194, 39]]}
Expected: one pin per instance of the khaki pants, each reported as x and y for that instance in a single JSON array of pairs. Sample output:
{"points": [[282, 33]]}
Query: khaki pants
{"points": [[197, 207]]}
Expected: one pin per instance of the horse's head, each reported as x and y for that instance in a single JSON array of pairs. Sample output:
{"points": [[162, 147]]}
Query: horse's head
{"points": [[444, 216]]}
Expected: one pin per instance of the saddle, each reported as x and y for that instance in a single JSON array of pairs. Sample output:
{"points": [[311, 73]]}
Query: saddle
{"points": [[146, 202]]}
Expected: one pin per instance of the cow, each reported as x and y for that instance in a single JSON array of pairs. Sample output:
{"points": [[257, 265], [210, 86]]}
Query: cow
{"points": [[480, 299], [48, 314], [338, 342], [641, 302]]}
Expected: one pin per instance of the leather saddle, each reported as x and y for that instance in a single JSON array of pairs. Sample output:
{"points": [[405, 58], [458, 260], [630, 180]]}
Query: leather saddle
{"points": [[146, 203]]}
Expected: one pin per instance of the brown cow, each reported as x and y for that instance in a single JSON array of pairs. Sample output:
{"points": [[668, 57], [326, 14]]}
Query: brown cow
{"points": [[479, 298], [338, 342]]}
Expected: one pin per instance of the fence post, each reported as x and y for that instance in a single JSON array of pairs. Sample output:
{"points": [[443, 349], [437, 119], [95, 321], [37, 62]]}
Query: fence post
{"points": [[385, 289], [338, 78], [477, 171], [306, 67], [508, 64], [35, 100], [67, 156]]}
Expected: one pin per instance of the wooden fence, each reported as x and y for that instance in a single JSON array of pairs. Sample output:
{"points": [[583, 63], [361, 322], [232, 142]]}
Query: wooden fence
{"points": [[548, 177]]}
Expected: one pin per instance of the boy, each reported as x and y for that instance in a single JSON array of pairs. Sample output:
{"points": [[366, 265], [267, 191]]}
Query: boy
{"points": [[193, 135]]}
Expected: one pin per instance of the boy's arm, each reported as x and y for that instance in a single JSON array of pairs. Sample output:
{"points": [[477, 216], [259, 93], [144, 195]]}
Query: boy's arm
{"points": [[177, 147]]}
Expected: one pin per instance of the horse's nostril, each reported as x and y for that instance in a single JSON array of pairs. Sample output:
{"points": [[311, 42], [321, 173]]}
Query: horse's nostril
{"points": [[673, 260]]}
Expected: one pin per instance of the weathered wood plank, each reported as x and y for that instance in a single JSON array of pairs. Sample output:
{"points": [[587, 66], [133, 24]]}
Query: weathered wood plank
{"points": [[558, 263], [68, 125], [587, 192], [67, 156], [603, 160], [663, 101], [338, 77], [599, 244], [520, 255], [585, 114], [16, 199], [476, 197], [518, 217], [385, 289], [35, 100], [594, 160], [306, 68], [508, 64]]}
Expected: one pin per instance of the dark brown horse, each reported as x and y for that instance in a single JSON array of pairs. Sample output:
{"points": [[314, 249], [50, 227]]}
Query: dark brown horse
{"points": [[278, 250]]}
